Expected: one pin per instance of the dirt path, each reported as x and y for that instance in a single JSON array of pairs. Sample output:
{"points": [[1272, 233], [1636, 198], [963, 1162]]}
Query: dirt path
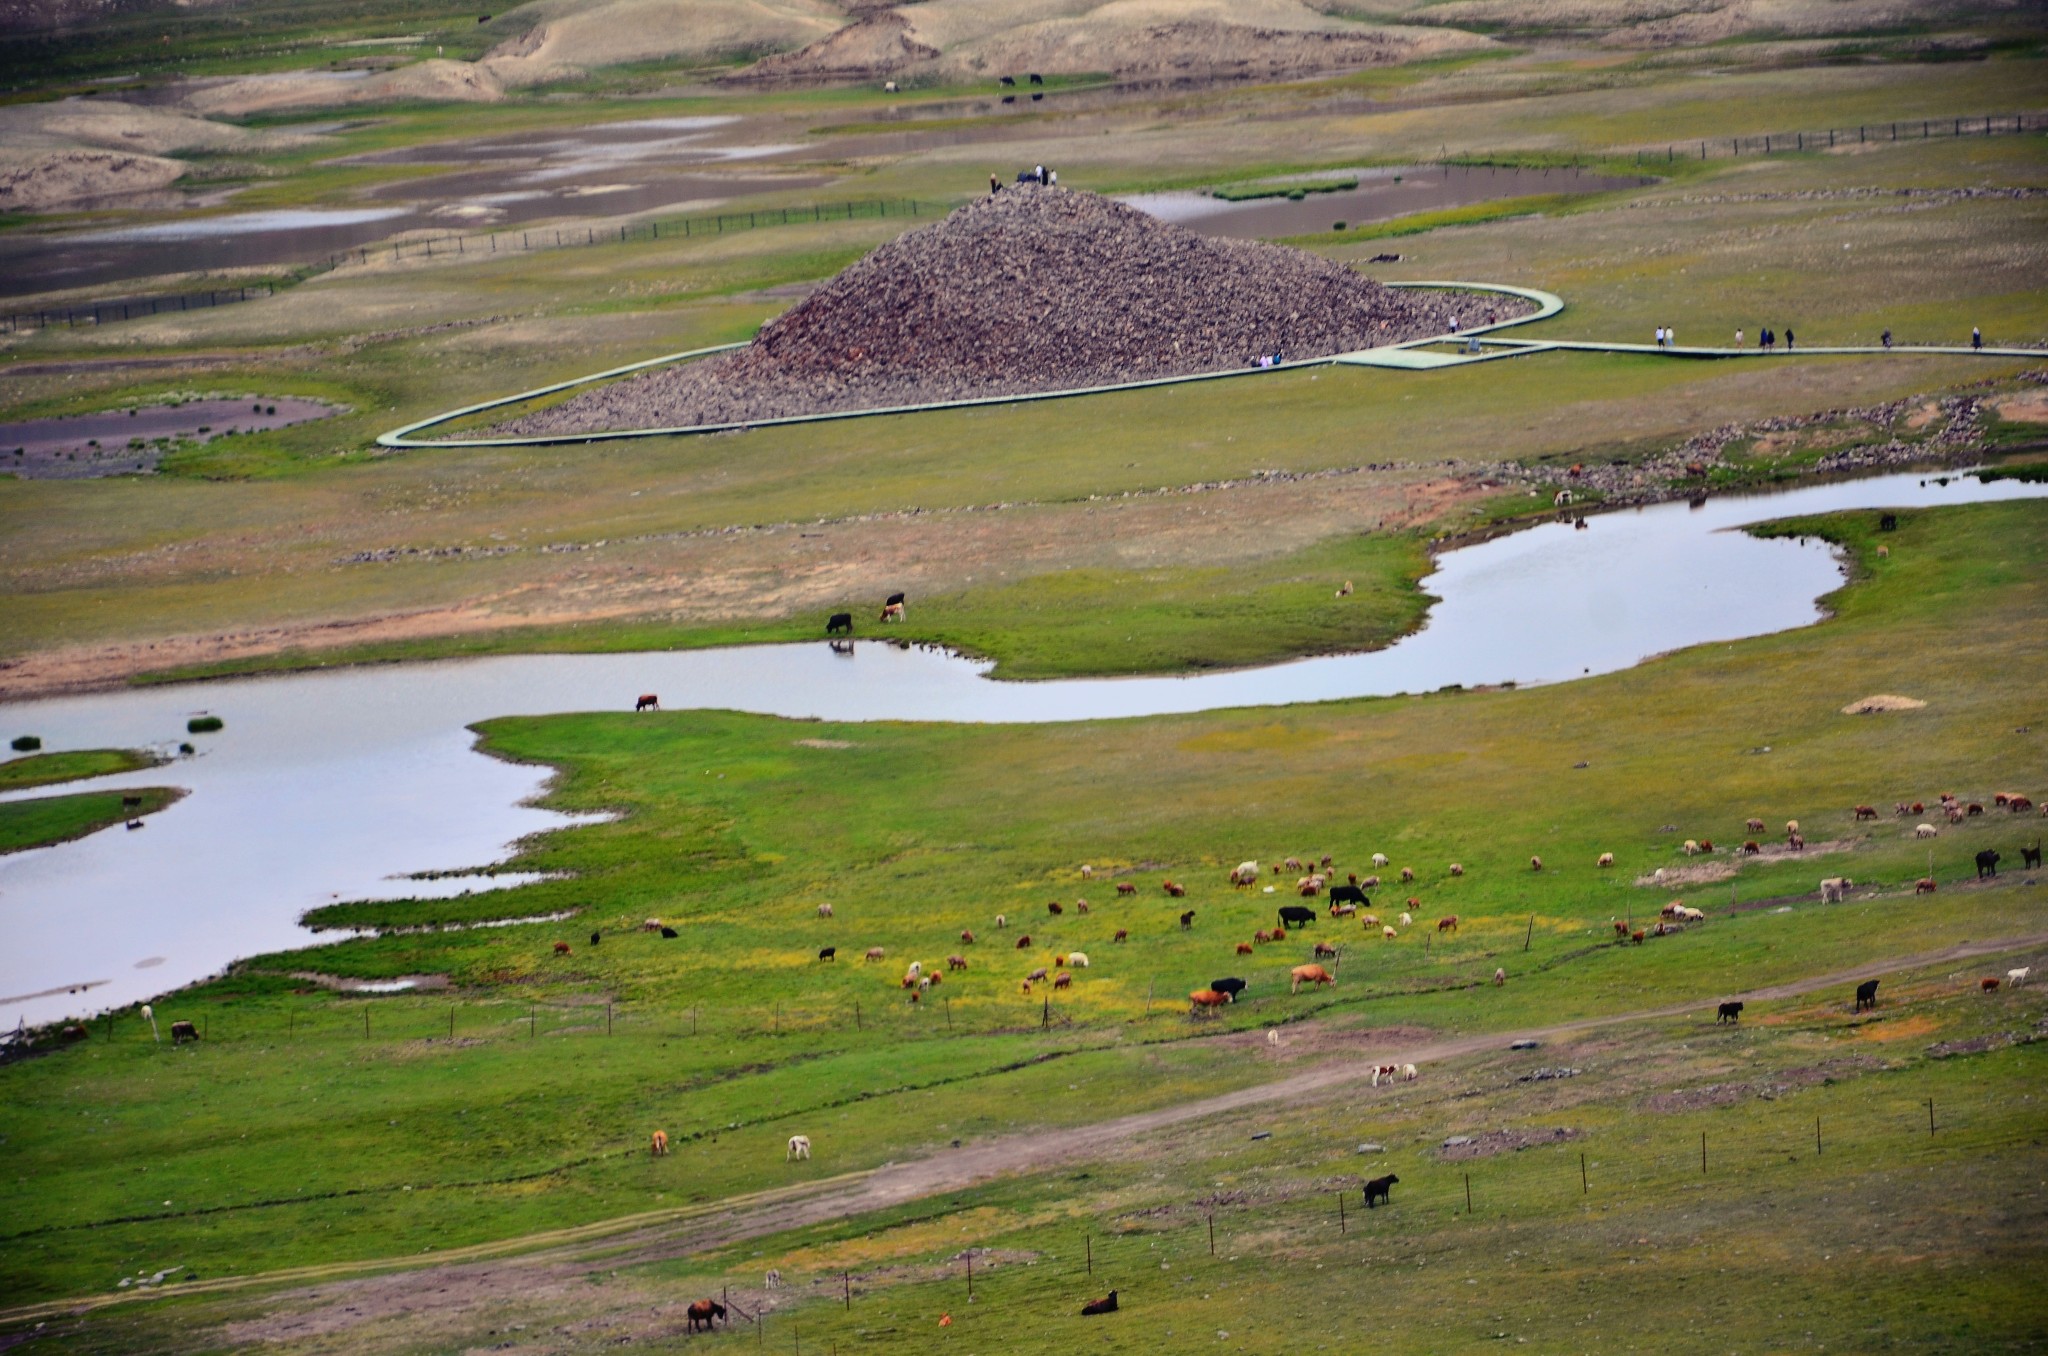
{"points": [[460, 1282]]}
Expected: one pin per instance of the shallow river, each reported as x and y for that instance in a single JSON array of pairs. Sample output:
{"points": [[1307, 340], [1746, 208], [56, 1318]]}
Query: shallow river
{"points": [[329, 785]]}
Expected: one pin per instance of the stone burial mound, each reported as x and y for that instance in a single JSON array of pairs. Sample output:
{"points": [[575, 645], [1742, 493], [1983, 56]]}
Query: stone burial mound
{"points": [[1030, 289]]}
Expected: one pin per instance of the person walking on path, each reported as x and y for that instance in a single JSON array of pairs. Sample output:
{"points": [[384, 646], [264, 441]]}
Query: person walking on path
{"points": [[1788, 339], [1670, 337], [1660, 336], [1887, 341], [1976, 337], [1738, 340]]}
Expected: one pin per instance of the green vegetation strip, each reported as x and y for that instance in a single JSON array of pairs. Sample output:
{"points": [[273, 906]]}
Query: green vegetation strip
{"points": [[45, 820], [43, 769]]}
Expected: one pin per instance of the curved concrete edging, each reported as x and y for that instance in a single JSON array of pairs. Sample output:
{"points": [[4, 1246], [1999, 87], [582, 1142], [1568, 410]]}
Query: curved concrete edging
{"points": [[1413, 355], [1548, 304]]}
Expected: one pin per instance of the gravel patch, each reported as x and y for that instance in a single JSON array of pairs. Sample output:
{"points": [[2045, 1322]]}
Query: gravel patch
{"points": [[1028, 290]]}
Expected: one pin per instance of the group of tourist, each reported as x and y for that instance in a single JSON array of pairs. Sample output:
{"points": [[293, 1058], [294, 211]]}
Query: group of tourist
{"points": [[1037, 174]]}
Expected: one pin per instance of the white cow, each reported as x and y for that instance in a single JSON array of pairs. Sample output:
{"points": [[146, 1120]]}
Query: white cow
{"points": [[1925, 831], [1379, 859], [1834, 888], [1077, 960], [2015, 978], [1245, 874], [799, 1149]]}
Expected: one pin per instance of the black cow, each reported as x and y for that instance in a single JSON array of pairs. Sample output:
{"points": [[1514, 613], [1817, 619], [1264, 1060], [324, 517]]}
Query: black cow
{"points": [[1036, 78], [1380, 1189], [1866, 995], [669, 933], [1349, 894], [182, 1032], [1291, 914], [1987, 863], [1105, 1305], [1232, 986], [1888, 523], [596, 937], [2030, 857], [839, 621], [827, 952], [1007, 81], [1730, 1012]]}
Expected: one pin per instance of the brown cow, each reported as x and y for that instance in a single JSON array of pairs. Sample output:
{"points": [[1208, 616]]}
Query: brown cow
{"points": [[1063, 980], [647, 702], [1124, 887], [875, 953], [1325, 949], [1924, 886], [1987, 985], [967, 936], [704, 1313], [1244, 948], [1309, 974], [1866, 812], [1054, 908], [1177, 891], [561, 948], [1448, 923], [956, 962], [659, 1146], [1206, 998], [1105, 1305], [1024, 942], [1122, 935]]}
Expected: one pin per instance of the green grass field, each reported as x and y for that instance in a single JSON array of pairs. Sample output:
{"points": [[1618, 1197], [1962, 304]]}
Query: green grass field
{"points": [[288, 1136], [1769, 1186], [42, 769]]}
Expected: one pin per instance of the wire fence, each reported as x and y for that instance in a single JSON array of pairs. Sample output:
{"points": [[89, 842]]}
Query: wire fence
{"points": [[131, 308], [1150, 1254], [1792, 143]]}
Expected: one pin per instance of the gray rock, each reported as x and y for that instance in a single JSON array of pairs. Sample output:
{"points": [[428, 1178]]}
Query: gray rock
{"points": [[1032, 289]]}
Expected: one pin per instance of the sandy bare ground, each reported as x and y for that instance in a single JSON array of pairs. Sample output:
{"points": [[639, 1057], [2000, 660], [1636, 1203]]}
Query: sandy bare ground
{"points": [[464, 1286], [722, 573]]}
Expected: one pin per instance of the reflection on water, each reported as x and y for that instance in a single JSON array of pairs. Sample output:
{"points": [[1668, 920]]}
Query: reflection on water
{"points": [[326, 786]]}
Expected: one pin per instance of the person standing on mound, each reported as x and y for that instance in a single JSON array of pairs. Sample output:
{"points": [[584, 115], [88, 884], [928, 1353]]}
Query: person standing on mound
{"points": [[1788, 340], [1738, 339]]}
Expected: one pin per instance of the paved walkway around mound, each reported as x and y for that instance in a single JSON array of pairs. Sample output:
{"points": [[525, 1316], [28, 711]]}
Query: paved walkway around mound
{"points": [[1413, 355], [501, 1270]]}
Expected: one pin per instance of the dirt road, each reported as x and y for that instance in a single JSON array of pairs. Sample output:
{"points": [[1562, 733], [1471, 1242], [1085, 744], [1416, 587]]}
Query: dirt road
{"points": [[462, 1283]]}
